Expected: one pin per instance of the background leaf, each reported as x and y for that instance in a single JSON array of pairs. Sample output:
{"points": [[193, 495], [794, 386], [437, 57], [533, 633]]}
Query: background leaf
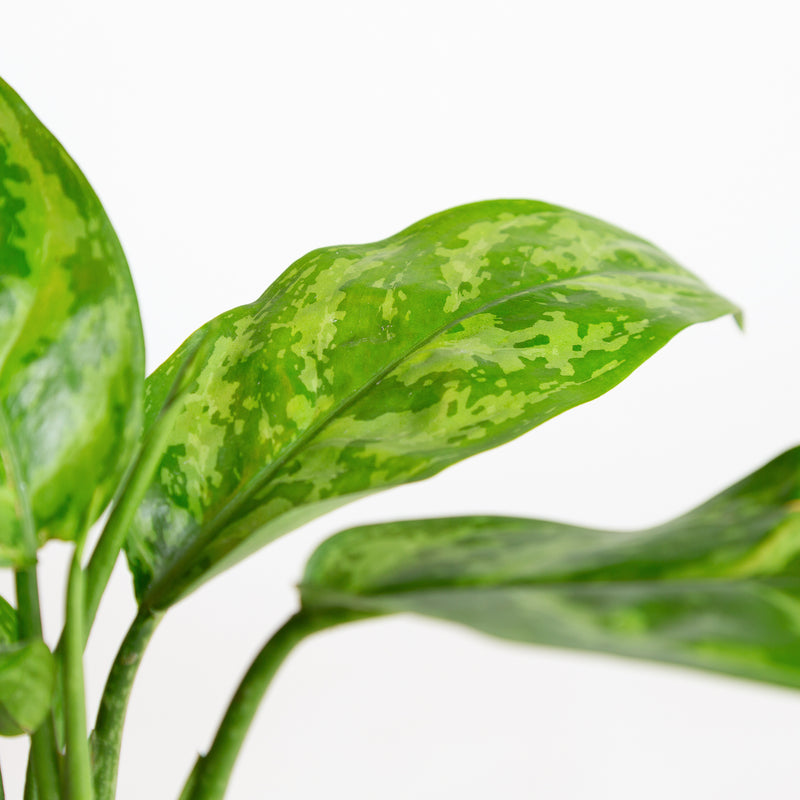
{"points": [[71, 348], [27, 678], [367, 366], [718, 588]]}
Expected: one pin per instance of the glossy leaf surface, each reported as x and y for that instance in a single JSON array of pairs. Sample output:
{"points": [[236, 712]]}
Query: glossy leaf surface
{"points": [[717, 589], [71, 348], [27, 678], [367, 366]]}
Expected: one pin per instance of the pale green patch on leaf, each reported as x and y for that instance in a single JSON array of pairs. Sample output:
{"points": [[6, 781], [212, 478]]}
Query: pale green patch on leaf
{"points": [[71, 348], [368, 366], [717, 589], [27, 678]]}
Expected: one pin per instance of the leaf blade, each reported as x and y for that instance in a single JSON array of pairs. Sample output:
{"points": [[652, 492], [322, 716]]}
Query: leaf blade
{"points": [[716, 589], [366, 366], [71, 347]]}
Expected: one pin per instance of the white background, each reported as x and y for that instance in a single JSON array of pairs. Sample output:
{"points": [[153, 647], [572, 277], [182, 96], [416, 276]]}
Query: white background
{"points": [[226, 143]]}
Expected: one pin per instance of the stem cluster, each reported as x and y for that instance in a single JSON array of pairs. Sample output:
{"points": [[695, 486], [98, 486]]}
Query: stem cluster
{"points": [[85, 768]]}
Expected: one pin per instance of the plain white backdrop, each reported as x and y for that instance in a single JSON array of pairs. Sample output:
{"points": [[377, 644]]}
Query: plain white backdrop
{"points": [[226, 141]]}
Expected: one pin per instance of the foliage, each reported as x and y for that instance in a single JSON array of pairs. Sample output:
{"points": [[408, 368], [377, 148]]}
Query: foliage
{"points": [[362, 367], [717, 588]]}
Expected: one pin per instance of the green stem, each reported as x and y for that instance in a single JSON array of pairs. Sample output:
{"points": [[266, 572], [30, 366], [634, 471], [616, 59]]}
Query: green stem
{"points": [[30, 782], [44, 753], [107, 736], [43, 743], [78, 776], [211, 774], [108, 547]]}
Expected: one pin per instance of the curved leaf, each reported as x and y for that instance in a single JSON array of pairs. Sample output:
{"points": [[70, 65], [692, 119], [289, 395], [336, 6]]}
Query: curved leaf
{"points": [[717, 589], [27, 678], [27, 681], [367, 366], [71, 348]]}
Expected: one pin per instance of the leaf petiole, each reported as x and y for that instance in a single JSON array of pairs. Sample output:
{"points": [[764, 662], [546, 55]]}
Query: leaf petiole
{"points": [[108, 548], [210, 776], [44, 754], [78, 776], [107, 735]]}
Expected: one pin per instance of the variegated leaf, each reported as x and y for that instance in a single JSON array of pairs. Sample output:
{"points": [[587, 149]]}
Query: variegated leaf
{"points": [[717, 589], [71, 348], [367, 366], [27, 678]]}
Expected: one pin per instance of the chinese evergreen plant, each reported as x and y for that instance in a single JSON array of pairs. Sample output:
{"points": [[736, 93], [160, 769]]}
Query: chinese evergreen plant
{"points": [[362, 367]]}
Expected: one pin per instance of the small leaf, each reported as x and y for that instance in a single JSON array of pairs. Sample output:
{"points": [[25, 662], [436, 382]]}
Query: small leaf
{"points": [[368, 366], [717, 589], [27, 678], [71, 348]]}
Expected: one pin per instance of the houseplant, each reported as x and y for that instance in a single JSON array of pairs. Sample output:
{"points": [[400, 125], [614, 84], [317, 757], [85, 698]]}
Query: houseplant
{"points": [[362, 367]]}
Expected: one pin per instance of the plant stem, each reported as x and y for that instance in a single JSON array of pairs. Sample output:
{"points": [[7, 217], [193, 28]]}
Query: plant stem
{"points": [[108, 547], [211, 774], [107, 550], [107, 735], [78, 777], [30, 782], [44, 754]]}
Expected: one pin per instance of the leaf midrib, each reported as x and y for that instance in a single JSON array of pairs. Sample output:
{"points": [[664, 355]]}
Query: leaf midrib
{"points": [[667, 582], [264, 476]]}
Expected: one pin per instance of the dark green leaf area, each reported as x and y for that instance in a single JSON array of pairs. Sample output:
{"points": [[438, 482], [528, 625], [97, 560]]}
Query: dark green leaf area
{"points": [[71, 349], [367, 366], [717, 589]]}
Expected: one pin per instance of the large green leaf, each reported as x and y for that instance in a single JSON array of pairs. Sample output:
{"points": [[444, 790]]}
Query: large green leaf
{"points": [[27, 678], [367, 366], [71, 348], [718, 588]]}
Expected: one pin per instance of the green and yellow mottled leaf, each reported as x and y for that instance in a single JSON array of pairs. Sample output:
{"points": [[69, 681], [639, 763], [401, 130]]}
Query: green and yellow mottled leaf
{"points": [[27, 678], [368, 366], [71, 348], [717, 589]]}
